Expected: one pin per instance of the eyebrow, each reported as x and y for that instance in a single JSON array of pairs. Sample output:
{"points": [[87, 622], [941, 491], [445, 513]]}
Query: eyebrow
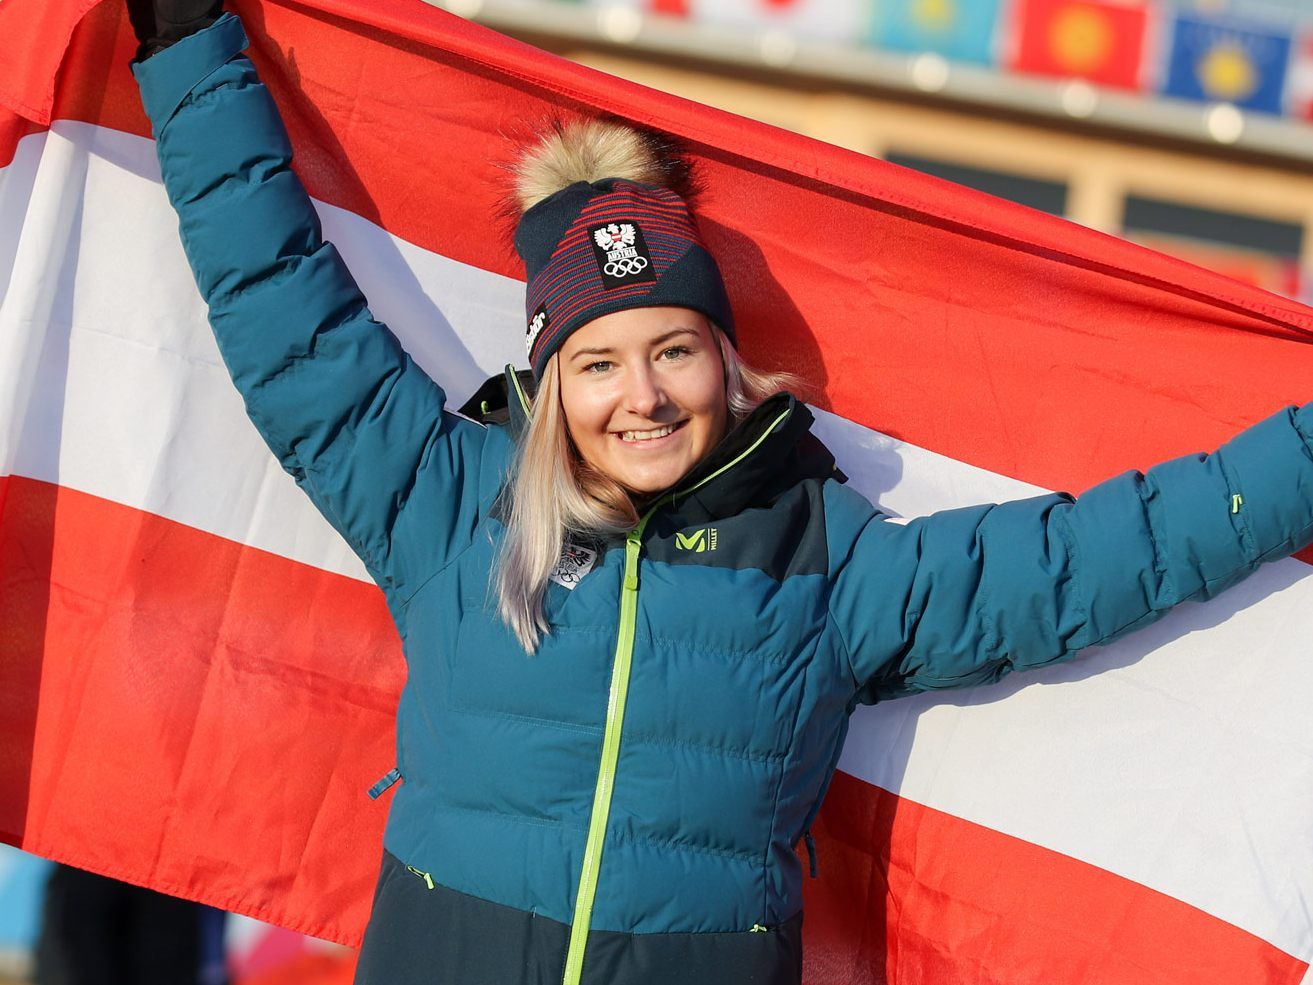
{"points": [[606, 351]]}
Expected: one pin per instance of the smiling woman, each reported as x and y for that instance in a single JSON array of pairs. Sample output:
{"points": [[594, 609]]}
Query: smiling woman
{"points": [[632, 402], [638, 382]]}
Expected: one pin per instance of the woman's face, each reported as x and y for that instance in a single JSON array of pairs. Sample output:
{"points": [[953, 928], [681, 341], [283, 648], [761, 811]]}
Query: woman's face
{"points": [[643, 392]]}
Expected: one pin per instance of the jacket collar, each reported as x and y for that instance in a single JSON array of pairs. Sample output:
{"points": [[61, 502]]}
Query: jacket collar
{"points": [[768, 452], [765, 454]]}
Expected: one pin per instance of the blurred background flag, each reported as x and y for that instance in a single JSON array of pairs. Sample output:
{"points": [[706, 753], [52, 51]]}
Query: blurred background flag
{"points": [[669, 8], [1101, 42], [1300, 98], [682, 9], [825, 20], [1222, 58], [963, 30]]}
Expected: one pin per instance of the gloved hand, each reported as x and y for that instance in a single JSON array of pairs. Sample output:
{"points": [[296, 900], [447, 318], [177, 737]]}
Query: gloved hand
{"points": [[159, 23]]}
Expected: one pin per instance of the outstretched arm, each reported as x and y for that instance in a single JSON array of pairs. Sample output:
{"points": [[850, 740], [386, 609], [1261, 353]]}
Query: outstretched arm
{"points": [[347, 412], [964, 596]]}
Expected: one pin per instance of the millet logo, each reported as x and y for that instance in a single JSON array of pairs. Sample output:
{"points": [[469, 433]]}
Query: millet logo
{"points": [[697, 541]]}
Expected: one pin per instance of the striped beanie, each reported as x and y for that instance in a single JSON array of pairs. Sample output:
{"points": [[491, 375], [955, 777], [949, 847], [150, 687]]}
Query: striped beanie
{"points": [[597, 238]]}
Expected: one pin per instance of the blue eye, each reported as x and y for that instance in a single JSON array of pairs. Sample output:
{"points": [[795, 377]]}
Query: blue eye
{"points": [[676, 351], [600, 366]]}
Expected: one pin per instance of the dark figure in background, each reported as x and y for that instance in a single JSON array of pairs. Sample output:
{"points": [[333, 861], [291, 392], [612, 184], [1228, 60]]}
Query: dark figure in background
{"points": [[99, 931]]}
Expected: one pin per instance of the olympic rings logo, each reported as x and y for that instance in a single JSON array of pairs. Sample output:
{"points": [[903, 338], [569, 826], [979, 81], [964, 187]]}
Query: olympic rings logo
{"points": [[625, 266]]}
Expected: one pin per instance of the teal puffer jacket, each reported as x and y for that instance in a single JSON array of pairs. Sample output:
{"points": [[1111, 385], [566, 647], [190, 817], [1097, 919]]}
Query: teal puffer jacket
{"points": [[624, 805]]}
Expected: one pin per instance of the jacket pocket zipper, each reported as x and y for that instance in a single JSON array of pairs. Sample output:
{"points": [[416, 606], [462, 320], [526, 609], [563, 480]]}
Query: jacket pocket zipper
{"points": [[428, 879]]}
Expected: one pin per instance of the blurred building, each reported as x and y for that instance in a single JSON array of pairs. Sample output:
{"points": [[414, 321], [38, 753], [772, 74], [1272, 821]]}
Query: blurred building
{"points": [[1186, 126]]}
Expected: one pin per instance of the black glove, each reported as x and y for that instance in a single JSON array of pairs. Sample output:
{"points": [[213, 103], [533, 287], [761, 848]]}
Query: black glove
{"points": [[159, 23]]}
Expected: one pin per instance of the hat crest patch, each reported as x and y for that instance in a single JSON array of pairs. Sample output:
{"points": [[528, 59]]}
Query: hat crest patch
{"points": [[621, 254]]}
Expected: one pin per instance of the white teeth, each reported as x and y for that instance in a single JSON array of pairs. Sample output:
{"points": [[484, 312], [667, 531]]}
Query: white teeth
{"points": [[660, 432]]}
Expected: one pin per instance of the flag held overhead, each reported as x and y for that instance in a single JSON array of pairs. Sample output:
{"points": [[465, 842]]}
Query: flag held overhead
{"points": [[156, 667]]}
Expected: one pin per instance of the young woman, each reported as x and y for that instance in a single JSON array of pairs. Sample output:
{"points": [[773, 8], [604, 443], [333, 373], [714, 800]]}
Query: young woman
{"points": [[638, 611]]}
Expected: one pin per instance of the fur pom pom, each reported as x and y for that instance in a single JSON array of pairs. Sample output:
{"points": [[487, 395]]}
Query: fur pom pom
{"points": [[590, 150]]}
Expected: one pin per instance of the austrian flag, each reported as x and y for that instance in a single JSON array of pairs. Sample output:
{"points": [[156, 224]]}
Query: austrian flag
{"points": [[198, 680]]}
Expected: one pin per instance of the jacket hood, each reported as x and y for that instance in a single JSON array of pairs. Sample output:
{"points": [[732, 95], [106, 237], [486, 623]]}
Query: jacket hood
{"points": [[765, 454]]}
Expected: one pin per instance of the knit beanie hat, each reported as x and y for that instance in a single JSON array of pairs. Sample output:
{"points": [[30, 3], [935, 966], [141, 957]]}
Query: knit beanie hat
{"points": [[600, 232]]}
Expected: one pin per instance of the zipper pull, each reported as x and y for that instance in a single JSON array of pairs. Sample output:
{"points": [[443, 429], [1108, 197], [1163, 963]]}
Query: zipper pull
{"points": [[428, 879], [758, 929], [633, 544], [811, 851]]}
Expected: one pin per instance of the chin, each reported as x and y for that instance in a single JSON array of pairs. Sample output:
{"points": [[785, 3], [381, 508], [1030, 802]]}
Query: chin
{"points": [[649, 482], [647, 488]]}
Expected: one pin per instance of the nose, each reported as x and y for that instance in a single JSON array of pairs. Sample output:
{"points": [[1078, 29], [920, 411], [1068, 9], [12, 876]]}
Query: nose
{"points": [[644, 395]]}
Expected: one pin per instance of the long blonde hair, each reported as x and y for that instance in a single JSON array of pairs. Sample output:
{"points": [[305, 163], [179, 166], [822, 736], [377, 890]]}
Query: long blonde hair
{"points": [[554, 493]]}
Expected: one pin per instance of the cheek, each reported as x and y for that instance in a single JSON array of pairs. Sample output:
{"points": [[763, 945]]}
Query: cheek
{"points": [[708, 398], [585, 413]]}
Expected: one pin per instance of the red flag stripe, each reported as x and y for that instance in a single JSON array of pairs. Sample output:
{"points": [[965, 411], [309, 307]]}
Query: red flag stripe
{"points": [[97, 602], [92, 636], [1011, 910], [532, 85], [32, 64]]}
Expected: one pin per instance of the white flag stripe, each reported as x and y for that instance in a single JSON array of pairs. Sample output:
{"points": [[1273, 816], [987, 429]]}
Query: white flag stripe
{"points": [[134, 404], [1185, 768]]}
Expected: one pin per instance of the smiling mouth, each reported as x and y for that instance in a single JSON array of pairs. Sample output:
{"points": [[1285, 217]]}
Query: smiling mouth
{"points": [[638, 437]]}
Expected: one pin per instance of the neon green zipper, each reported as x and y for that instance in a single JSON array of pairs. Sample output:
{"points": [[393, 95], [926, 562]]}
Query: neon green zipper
{"points": [[615, 716]]}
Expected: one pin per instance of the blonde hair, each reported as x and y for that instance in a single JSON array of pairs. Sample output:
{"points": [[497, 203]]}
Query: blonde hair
{"points": [[554, 493]]}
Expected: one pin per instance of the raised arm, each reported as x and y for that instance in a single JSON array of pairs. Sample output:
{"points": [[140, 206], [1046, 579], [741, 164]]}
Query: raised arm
{"points": [[964, 596], [343, 407]]}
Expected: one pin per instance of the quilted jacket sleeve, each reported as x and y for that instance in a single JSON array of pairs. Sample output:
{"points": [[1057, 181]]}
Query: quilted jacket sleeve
{"points": [[347, 412], [963, 596]]}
